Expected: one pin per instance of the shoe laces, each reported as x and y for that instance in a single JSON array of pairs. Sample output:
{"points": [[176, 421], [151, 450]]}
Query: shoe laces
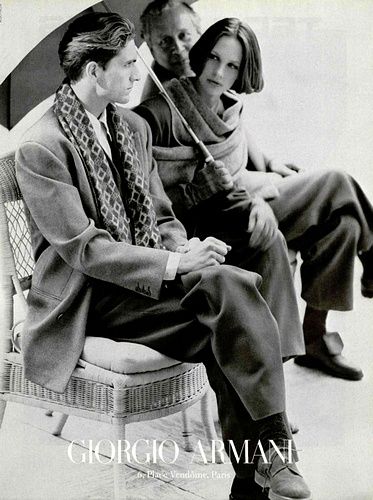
{"points": [[285, 465]]}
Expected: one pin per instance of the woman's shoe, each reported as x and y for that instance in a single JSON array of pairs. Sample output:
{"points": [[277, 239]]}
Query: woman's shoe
{"points": [[294, 429], [366, 287], [367, 277], [325, 354]]}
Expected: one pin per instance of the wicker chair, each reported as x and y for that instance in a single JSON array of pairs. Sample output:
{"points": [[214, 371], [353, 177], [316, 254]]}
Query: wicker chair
{"points": [[135, 391]]}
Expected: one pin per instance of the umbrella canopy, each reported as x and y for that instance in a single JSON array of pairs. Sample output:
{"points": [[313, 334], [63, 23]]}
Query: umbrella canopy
{"points": [[25, 24], [29, 69]]}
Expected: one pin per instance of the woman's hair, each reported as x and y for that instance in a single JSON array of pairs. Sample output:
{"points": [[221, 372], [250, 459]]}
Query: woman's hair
{"points": [[250, 77], [93, 37]]}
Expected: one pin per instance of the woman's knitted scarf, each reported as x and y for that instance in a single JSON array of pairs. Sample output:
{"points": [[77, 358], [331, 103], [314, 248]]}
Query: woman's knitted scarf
{"points": [[134, 220], [208, 126], [223, 135]]}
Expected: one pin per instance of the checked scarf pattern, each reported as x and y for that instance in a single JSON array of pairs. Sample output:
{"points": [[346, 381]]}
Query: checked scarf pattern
{"points": [[134, 220]]}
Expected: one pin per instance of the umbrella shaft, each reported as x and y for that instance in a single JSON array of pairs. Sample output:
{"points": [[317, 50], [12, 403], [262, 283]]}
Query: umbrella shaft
{"points": [[206, 153]]}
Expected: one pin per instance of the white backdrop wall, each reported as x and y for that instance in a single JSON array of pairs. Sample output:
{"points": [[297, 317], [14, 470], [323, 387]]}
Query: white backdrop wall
{"points": [[316, 106]]}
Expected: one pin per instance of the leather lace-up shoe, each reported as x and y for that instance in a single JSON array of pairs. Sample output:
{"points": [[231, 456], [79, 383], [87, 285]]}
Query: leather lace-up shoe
{"points": [[325, 355], [281, 478]]}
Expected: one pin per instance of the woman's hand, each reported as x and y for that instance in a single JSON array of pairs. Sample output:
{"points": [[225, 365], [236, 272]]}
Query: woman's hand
{"points": [[262, 225], [214, 177], [280, 168], [197, 254], [222, 175]]}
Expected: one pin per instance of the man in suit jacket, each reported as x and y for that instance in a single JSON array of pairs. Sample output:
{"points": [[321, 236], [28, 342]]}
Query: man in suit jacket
{"points": [[112, 259]]}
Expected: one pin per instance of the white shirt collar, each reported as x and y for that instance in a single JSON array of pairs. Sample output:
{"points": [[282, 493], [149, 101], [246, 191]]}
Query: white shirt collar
{"points": [[101, 130]]}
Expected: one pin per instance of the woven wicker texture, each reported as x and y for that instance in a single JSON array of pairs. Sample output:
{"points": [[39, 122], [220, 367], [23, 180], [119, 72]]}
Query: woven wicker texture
{"points": [[187, 383], [20, 240], [92, 392], [18, 231]]}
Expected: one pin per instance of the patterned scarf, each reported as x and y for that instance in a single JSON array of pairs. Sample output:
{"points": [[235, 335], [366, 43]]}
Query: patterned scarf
{"points": [[136, 221]]}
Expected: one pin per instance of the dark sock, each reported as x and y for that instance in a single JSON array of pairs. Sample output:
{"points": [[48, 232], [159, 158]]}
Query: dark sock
{"points": [[314, 324], [245, 488]]}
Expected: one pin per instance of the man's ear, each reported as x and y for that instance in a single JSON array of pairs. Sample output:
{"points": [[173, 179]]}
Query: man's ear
{"points": [[91, 69]]}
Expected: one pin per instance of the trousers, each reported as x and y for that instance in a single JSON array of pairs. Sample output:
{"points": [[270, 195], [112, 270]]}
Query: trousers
{"points": [[326, 216], [227, 218], [218, 308], [216, 316]]}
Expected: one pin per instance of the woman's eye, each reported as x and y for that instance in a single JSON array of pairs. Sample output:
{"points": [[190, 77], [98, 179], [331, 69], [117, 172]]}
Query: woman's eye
{"points": [[233, 66], [213, 56]]}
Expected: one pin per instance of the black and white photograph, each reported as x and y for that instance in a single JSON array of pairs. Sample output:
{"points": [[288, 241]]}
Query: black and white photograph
{"points": [[186, 249]]}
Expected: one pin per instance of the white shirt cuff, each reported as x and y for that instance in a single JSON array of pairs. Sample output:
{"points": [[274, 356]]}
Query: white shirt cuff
{"points": [[172, 265]]}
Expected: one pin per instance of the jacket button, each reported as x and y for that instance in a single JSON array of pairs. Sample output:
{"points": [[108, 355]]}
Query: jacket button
{"points": [[59, 317]]}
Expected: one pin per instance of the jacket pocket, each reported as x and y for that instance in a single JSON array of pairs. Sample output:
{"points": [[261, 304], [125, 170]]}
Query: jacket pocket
{"points": [[51, 274]]}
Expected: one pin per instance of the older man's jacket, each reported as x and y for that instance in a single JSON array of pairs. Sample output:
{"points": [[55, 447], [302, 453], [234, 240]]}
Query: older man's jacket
{"points": [[71, 247]]}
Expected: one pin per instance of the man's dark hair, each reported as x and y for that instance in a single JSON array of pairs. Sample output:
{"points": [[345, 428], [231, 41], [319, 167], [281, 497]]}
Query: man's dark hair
{"points": [[250, 77], [157, 7], [93, 37]]}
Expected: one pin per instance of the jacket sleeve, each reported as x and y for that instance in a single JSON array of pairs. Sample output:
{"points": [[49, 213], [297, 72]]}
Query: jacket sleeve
{"points": [[50, 191]]}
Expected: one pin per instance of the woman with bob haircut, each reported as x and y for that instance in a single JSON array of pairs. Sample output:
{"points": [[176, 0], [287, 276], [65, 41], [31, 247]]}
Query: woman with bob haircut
{"points": [[249, 78], [323, 214]]}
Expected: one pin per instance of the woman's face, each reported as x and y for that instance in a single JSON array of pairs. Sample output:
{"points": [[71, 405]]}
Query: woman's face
{"points": [[221, 68]]}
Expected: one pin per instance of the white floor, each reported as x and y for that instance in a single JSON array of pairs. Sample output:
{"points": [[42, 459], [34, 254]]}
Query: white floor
{"points": [[335, 418]]}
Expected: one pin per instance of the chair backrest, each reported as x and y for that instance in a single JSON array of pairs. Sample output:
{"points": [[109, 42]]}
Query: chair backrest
{"points": [[16, 255]]}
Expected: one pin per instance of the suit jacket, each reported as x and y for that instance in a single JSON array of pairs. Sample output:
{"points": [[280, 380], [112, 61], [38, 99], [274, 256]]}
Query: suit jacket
{"points": [[70, 246]]}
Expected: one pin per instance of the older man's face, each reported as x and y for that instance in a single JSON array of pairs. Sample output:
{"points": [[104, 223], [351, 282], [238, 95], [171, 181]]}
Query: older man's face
{"points": [[172, 36]]}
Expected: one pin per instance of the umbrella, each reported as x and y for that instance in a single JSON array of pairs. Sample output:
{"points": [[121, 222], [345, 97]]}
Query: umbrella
{"points": [[29, 69]]}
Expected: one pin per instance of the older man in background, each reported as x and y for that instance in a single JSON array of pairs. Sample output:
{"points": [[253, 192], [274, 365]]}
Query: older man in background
{"points": [[170, 28]]}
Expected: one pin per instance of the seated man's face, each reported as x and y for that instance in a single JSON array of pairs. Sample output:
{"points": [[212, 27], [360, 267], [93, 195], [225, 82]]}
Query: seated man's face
{"points": [[172, 36]]}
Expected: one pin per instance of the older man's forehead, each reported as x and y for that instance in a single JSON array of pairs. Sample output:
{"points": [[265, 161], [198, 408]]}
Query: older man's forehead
{"points": [[171, 21]]}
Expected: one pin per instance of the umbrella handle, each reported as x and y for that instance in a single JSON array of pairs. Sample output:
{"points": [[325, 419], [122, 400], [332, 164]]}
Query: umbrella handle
{"points": [[206, 153]]}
